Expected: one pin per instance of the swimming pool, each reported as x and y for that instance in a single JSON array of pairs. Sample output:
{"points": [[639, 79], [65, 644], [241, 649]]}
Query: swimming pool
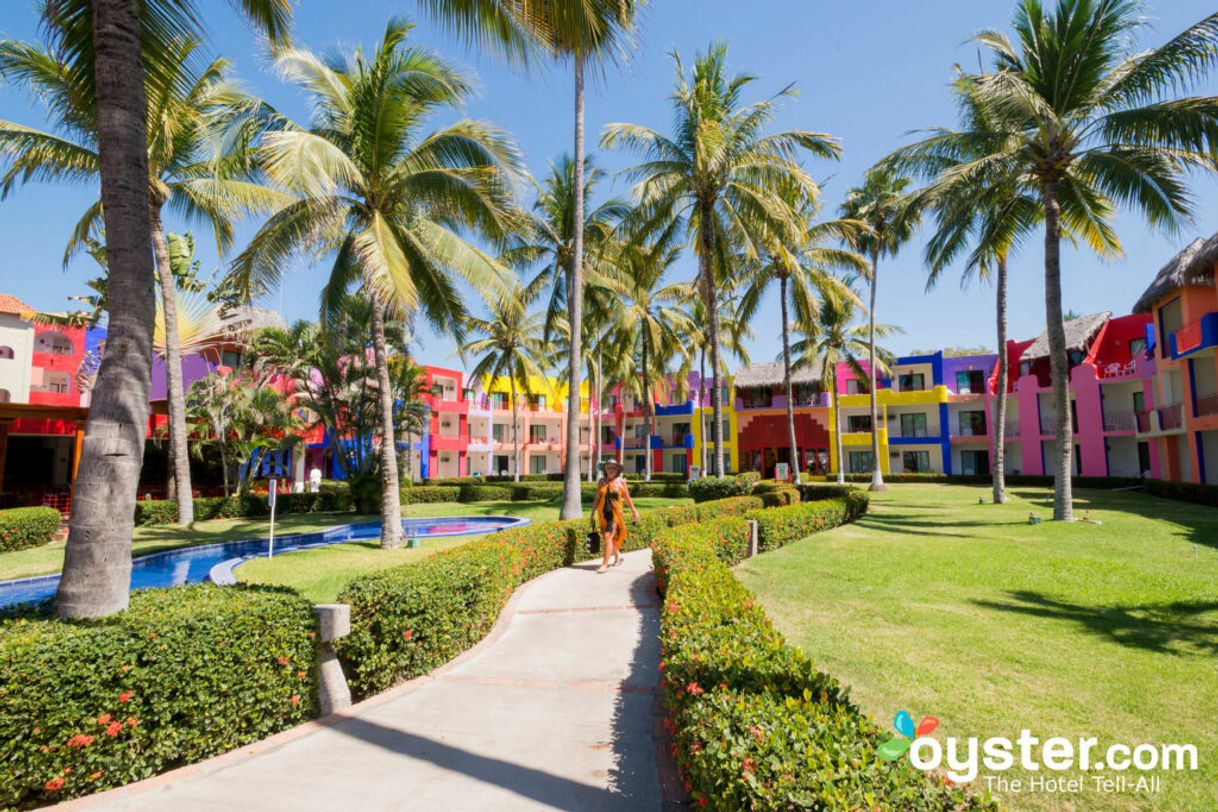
{"points": [[216, 562]]}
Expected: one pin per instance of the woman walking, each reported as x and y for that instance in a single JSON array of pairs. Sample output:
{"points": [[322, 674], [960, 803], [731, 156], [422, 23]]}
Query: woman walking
{"points": [[608, 515]]}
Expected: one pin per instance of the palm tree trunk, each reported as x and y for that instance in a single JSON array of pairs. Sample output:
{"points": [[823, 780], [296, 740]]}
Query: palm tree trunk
{"points": [[710, 295], [702, 404], [786, 375], [1000, 409], [515, 422], [877, 477], [97, 562], [572, 506], [647, 421], [594, 449], [391, 497], [224, 470], [837, 433], [1063, 509], [179, 459]]}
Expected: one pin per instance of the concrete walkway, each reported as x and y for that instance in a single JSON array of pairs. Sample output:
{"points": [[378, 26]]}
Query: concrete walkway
{"points": [[556, 709]]}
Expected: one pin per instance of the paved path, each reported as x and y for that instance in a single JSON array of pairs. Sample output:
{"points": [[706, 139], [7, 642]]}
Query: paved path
{"points": [[555, 710]]}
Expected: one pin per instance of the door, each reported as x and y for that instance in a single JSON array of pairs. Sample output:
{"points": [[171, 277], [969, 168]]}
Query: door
{"points": [[1144, 457]]}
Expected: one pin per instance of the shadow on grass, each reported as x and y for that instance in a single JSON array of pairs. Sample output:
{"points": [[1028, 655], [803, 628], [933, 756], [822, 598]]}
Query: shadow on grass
{"points": [[1170, 628], [904, 526]]}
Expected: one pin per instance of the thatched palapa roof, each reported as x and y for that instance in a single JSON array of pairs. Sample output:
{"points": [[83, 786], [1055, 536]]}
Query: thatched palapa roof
{"points": [[1079, 333], [771, 375], [1193, 265]]}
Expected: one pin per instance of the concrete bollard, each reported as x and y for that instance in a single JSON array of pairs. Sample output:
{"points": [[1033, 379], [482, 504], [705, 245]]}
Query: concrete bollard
{"points": [[334, 621], [752, 537]]}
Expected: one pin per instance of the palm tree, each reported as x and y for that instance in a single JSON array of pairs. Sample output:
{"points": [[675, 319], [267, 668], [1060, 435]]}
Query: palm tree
{"points": [[834, 338], [1073, 118], [993, 217], [649, 324], [718, 176], [802, 266], [109, 46], [588, 32], [383, 198], [509, 344], [187, 107], [734, 332], [883, 205]]}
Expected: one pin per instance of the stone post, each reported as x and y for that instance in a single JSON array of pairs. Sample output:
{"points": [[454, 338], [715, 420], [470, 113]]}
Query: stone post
{"points": [[752, 537], [334, 621]]}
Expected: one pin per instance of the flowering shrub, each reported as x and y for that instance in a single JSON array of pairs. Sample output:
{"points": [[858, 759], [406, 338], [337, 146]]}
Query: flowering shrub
{"points": [[21, 528], [182, 675], [421, 494], [710, 488], [756, 726], [334, 497], [782, 525]]}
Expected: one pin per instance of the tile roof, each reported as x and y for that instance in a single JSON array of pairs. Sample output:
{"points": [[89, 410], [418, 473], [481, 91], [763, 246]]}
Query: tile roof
{"points": [[14, 306]]}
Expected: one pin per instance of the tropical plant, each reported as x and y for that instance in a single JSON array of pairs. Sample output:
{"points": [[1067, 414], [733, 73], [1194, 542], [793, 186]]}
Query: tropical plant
{"points": [[883, 205], [1076, 120], [386, 199], [834, 339], [802, 264], [108, 47], [587, 33], [194, 171], [734, 332], [650, 325], [509, 344], [718, 177]]}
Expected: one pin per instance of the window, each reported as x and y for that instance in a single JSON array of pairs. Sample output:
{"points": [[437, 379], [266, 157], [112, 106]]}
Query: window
{"points": [[498, 431], [607, 435], [1171, 319], [537, 464], [6, 352], [1025, 368], [54, 343], [537, 434], [537, 402], [852, 386], [679, 432], [499, 400], [1144, 458], [858, 423], [913, 425], [860, 462], [972, 424], [974, 463], [916, 462], [5, 396], [230, 359], [970, 382], [1137, 348], [502, 464], [912, 382], [678, 463]]}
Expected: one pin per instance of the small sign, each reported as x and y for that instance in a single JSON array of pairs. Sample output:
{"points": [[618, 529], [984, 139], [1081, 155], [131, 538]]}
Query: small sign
{"points": [[782, 471], [270, 491], [695, 472]]}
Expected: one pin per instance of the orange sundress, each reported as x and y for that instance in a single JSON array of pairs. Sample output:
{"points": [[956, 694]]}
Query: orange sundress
{"points": [[608, 509]]}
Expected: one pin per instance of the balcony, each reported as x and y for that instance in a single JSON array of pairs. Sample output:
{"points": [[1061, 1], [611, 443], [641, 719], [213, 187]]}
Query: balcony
{"points": [[1195, 336], [896, 432], [634, 442], [1011, 427], [969, 433], [1120, 421], [1167, 419], [1112, 372], [1207, 405], [1171, 417]]}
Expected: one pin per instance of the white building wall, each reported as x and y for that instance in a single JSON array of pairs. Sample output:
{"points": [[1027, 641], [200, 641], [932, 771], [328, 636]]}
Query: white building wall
{"points": [[18, 335]]}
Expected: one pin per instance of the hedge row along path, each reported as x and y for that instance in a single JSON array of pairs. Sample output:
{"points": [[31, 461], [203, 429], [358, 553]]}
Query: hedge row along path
{"points": [[556, 709]]}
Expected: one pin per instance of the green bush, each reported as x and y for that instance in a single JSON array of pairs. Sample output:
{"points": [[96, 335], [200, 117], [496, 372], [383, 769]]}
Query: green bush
{"points": [[755, 725], [424, 494], [816, 491], [184, 674], [779, 526], [709, 489], [333, 497], [1183, 491], [779, 497], [473, 492], [21, 528]]}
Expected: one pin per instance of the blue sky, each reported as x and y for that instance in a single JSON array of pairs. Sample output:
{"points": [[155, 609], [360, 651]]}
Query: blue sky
{"points": [[867, 73]]}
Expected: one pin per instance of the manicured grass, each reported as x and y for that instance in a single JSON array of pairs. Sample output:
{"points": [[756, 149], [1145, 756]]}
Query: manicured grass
{"points": [[319, 574], [938, 605], [49, 558]]}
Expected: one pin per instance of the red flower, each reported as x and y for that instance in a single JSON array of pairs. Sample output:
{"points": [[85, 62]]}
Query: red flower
{"points": [[95, 776], [694, 688], [113, 729], [37, 730], [406, 635], [661, 666], [295, 700], [125, 696], [747, 767], [281, 660], [104, 719], [151, 635], [132, 722], [702, 801], [301, 674], [79, 740], [54, 784]]}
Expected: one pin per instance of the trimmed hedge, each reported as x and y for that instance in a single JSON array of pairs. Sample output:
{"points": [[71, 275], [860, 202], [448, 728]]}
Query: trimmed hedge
{"points": [[777, 527], [708, 489], [780, 497], [1183, 491], [334, 497], [756, 726], [474, 492], [424, 494], [407, 620], [22, 528], [184, 674]]}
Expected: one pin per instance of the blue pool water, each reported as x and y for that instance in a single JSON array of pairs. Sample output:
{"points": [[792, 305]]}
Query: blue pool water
{"points": [[194, 565]]}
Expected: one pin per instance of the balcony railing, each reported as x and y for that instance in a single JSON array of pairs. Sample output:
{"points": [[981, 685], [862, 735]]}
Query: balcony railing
{"points": [[634, 442], [1048, 423], [1119, 370], [1011, 427], [969, 431], [1207, 405], [1120, 421], [895, 430], [1142, 420], [1171, 416]]}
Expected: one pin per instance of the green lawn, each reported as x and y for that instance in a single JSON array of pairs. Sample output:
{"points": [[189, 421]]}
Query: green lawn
{"points": [[319, 574], [944, 607], [49, 558]]}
